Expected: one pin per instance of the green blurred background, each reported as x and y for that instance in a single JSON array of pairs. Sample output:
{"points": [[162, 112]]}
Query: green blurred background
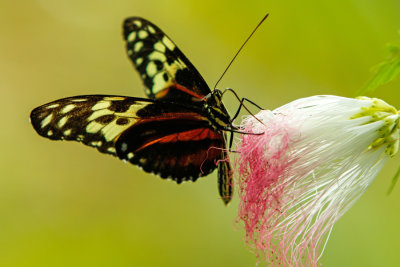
{"points": [[64, 204]]}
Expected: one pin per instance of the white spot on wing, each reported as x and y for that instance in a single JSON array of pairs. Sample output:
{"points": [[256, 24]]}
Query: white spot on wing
{"points": [[138, 23], [130, 155], [46, 120], [168, 43], [111, 149], [101, 105], [68, 108], [50, 133]]}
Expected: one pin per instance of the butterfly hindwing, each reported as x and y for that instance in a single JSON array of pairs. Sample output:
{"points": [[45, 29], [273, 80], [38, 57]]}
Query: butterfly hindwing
{"points": [[164, 69], [180, 145]]}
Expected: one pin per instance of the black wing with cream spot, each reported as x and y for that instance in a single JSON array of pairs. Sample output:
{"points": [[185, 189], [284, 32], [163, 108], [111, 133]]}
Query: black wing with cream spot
{"points": [[95, 120], [163, 68]]}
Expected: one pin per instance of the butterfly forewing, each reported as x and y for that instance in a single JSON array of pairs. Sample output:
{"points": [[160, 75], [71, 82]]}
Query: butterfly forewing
{"points": [[177, 145], [164, 69], [94, 120]]}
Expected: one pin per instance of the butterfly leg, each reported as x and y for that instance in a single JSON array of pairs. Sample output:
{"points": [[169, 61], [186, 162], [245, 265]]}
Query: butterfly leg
{"points": [[242, 104]]}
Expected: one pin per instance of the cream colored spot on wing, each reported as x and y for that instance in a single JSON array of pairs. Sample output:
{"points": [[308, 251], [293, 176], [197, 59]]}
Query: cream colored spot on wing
{"points": [[137, 46], [94, 127], [79, 137], [160, 83], [62, 121], [138, 23], [114, 98], [131, 37], [157, 56], [111, 149], [159, 47], [151, 29], [143, 34], [67, 132], [99, 113], [151, 69], [96, 143], [130, 52], [168, 43], [50, 133], [46, 120], [68, 108], [130, 155], [124, 147], [101, 105], [112, 130], [79, 100], [52, 106], [143, 161], [173, 68], [139, 61]]}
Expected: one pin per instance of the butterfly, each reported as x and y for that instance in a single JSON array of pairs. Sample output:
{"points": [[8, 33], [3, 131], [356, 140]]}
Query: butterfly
{"points": [[178, 132]]}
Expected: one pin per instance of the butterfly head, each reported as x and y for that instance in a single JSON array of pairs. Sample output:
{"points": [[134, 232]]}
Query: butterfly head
{"points": [[216, 110], [214, 99]]}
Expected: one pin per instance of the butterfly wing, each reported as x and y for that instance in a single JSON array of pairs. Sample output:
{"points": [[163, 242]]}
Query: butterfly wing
{"points": [[167, 139], [94, 120], [170, 140], [168, 74], [164, 69]]}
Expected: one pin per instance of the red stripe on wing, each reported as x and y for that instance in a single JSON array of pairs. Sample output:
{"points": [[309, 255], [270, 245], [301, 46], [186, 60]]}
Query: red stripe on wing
{"points": [[192, 135]]}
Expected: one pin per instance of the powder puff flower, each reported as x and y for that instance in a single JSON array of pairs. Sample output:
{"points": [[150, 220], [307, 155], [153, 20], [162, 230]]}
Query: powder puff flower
{"points": [[315, 159]]}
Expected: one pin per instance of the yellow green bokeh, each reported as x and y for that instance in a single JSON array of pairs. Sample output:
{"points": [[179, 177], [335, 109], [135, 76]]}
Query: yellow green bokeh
{"points": [[64, 204]]}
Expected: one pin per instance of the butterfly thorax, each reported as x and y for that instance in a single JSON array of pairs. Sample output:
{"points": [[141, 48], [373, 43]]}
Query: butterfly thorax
{"points": [[215, 110]]}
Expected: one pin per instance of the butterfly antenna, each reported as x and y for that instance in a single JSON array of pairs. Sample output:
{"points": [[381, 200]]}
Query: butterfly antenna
{"points": [[237, 53]]}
